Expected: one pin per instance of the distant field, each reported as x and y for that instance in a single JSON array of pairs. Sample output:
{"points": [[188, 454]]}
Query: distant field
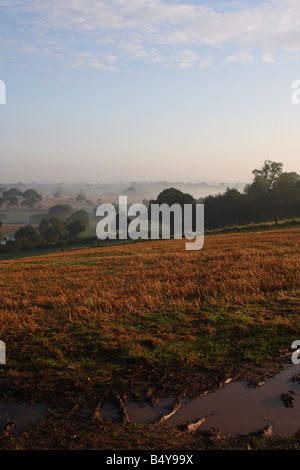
{"points": [[23, 216], [147, 312], [16, 217]]}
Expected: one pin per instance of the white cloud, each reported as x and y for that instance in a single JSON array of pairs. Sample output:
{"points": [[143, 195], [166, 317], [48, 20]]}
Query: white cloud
{"points": [[185, 58], [205, 63], [241, 57], [85, 60], [267, 57], [152, 30], [139, 54]]}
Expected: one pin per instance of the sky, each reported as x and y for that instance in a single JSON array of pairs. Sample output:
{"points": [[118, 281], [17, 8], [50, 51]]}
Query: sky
{"points": [[147, 90]]}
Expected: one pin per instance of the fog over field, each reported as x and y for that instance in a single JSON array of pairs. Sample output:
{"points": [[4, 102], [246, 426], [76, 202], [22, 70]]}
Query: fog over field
{"points": [[149, 227], [133, 189]]}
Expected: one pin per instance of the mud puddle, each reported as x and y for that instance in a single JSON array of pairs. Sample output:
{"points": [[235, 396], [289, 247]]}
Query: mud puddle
{"points": [[239, 409], [139, 413], [15, 417], [236, 408]]}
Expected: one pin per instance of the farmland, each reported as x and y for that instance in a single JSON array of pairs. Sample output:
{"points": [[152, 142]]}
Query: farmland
{"points": [[147, 317]]}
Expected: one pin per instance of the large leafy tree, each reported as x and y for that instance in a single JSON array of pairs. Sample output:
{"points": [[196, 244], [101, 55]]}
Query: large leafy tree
{"points": [[12, 197], [173, 196], [31, 198], [80, 214], [287, 180], [27, 236], [60, 211], [268, 174], [53, 230], [76, 227], [264, 179]]}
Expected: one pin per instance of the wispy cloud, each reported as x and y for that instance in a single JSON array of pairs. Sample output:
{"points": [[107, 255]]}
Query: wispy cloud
{"points": [[205, 63], [115, 32], [241, 57]]}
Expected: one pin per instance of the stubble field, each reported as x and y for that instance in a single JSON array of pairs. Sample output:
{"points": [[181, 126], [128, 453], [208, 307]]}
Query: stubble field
{"points": [[149, 314]]}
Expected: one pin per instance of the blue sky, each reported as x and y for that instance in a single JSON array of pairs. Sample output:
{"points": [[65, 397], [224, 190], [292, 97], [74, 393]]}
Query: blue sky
{"points": [[136, 90]]}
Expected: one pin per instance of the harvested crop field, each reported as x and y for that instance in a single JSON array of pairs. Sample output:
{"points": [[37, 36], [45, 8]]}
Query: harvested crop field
{"points": [[148, 319]]}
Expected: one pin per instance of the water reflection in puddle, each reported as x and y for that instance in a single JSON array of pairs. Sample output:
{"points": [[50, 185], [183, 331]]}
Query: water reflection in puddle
{"points": [[236, 408], [139, 413], [19, 416]]}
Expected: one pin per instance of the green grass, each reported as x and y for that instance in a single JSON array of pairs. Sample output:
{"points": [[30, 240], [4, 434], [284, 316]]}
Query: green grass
{"points": [[254, 227], [27, 254]]}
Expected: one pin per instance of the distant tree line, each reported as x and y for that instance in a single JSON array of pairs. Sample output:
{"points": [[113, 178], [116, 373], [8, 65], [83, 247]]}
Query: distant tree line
{"points": [[272, 195], [13, 198], [61, 225]]}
